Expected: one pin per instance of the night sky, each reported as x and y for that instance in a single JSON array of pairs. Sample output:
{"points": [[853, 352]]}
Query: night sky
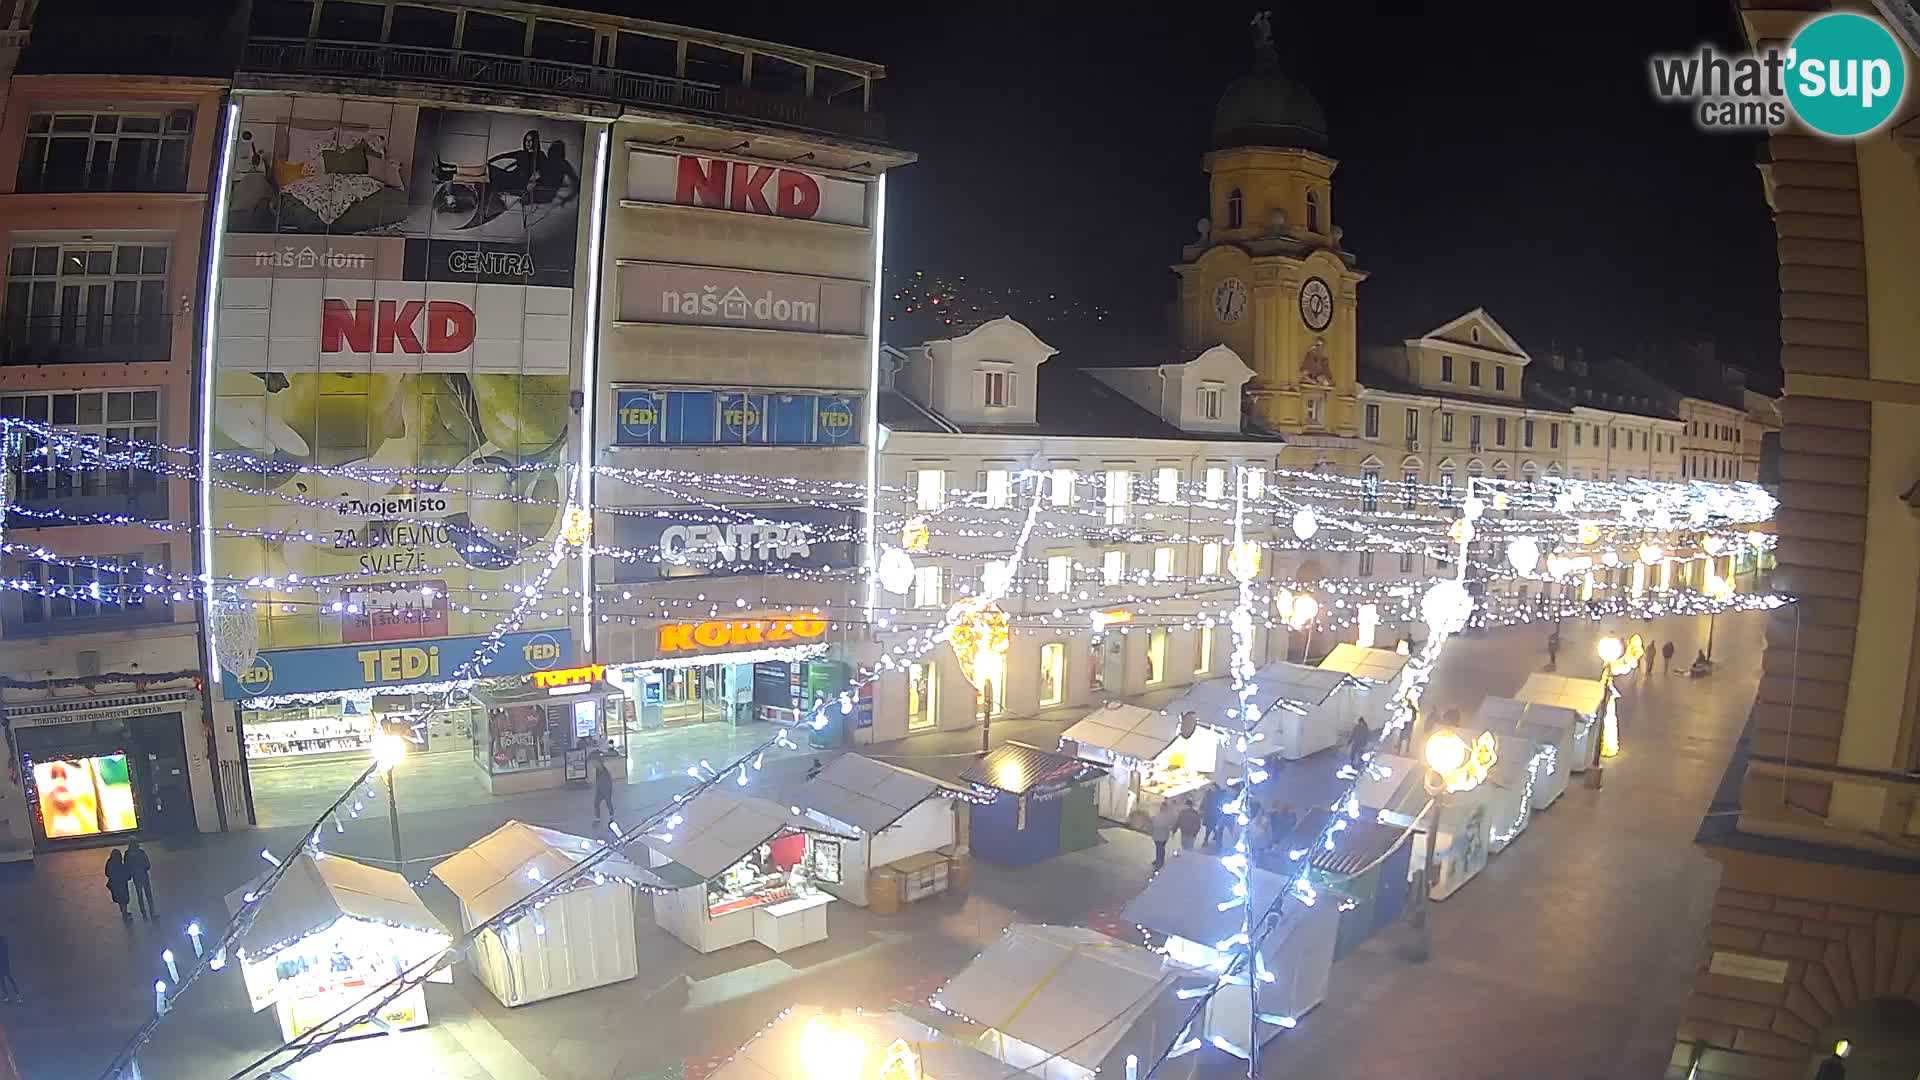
{"points": [[1487, 158]]}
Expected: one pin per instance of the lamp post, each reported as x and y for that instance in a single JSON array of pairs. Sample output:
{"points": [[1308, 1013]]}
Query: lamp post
{"points": [[389, 750], [1611, 650], [1446, 755]]}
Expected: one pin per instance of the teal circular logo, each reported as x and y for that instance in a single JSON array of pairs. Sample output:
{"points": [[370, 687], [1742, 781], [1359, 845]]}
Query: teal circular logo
{"points": [[1845, 74]]}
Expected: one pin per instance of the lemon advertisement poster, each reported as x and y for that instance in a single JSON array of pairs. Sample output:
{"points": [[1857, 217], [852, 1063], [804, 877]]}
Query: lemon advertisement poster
{"points": [[398, 338]]}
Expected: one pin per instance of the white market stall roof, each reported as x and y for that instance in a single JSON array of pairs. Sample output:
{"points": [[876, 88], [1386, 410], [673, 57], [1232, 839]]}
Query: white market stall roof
{"points": [[1374, 665], [1210, 700], [1583, 696], [718, 828], [1066, 990], [777, 1053], [1531, 720], [867, 794], [1393, 783], [1128, 730], [1184, 899], [317, 892], [492, 874], [1279, 681]]}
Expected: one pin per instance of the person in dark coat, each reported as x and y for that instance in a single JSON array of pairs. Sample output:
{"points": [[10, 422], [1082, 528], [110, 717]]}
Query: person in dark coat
{"points": [[1357, 741], [1212, 818], [1666, 654], [139, 872], [117, 879], [602, 790], [1189, 825], [9, 989]]}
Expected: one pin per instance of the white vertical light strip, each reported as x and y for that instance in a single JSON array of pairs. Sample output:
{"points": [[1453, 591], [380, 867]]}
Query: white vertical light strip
{"points": [[209, 324], [590, 381], [872, 560]]}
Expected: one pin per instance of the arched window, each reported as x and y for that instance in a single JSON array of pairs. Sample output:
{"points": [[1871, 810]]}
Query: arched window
{"points": [[1313, 211], [1236, 209]]}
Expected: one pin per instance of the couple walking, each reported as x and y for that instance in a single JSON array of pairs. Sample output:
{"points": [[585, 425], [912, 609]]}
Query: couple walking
{"points": [[130, 872]]}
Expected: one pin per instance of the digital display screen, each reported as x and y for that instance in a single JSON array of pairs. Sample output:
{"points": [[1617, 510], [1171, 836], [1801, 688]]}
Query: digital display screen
{"points": [[85, 796]]}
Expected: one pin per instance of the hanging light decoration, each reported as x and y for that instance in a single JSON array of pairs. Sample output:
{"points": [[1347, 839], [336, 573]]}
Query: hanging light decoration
{"points": [[1304, 525], [1523, 554], [895, 571], [1651, 553], [1245, 561]]}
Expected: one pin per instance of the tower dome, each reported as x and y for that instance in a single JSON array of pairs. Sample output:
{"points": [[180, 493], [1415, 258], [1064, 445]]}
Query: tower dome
{"points": [[1266, 108]]}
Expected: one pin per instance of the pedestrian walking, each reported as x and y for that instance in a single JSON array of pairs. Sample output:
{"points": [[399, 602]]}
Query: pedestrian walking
{"points": [[1553, 650], [1357, 741], [1280, 825], [1650, 654], [602, 791], [9, 989], [1212, 817], [1403, 739], [1162, 826], [117, 882], [1189, 825], [1666, 656], [139, 872]]}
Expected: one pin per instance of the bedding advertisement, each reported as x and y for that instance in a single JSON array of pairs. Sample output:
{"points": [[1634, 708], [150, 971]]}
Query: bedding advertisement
{"points": [[396, 294]]}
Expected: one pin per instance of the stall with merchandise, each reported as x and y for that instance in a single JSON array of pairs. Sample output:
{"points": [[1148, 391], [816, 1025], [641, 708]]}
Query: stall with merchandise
{"points": [[346, 725], [577, 940], [1031, 804], [910, 842], [549, 729], [1068, 1003], [1182, 905], [1152, 755], [1542, 735], [810, 1043], [739, 868], [1585, 698], [330, 933]]}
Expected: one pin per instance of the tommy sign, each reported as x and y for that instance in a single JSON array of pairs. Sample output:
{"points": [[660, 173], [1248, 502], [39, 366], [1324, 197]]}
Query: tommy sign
{"points": [[708, 296]]}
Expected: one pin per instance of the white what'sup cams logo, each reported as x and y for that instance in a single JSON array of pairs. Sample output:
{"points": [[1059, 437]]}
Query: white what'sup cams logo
{"points": [[1842, 75]]}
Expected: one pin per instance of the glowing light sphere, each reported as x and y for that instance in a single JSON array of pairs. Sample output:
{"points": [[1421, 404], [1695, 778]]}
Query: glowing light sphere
{"points": [[1304, 525], [1461, 531], [1500, 500], [1661, 518], [1610, 557], [1446, 752], [1302, 611], [1566, 499], [1713, 544], [1611, 649], [1473, 506], [996, 577], [389, 750], [1523, 554], [1629, 510], [1651, 553], [896, 570], [1244, 562], [1446, 606]]}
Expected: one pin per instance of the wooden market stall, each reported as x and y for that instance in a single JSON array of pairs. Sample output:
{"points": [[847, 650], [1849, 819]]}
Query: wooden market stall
{"points": [[1382, 670], [1368, 872], [1301, 711], [807, 1042], [740, 868], [1542, 734], [332, 931], [912, 841], [1152, 755], [1032, 804], [1585, 698], [580, 939]]}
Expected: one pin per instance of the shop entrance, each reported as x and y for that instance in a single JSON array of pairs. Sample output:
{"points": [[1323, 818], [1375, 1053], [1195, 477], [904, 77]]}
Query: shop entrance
{"points": [[300, 757], [111, 780], [685, 696]]}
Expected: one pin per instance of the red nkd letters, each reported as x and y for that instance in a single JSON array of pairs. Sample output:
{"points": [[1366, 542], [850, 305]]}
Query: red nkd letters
{"points": [[390, 326], [737, 185]]}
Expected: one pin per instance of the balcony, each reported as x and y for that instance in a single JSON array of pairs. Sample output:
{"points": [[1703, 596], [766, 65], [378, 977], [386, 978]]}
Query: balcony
{"points": [[386, 62], [86, 339]]}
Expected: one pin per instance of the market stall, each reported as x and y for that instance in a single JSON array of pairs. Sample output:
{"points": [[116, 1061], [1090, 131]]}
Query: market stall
{"points": [[810, 1043], [911, 845], [1394, 788], [1368, 870], [1066, 1003], [1465, 838], [1381, 670], [547, 729], [1152, 755], [1585, 698], [1541, 734], [740, 868], [1182, 904], [580, 939], [327, 935], [1300, 711], [1506, 793], [1033, 804]]}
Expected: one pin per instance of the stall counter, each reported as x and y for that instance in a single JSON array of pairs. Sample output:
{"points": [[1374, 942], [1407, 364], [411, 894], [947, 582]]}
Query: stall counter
{"points": [[790, 924]]}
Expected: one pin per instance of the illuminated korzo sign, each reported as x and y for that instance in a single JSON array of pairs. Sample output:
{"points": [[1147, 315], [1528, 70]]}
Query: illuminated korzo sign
{"points": [[740, 633]]}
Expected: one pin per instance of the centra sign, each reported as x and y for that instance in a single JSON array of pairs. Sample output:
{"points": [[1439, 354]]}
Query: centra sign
{"points": [[735, 633]]}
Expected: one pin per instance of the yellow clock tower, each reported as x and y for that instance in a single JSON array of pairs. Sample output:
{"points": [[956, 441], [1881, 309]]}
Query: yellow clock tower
{"points": [[1267, 275]]}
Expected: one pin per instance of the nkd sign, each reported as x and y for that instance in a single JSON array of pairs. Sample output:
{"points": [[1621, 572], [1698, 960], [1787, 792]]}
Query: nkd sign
{"points": [[745, 187], [709, 296]]}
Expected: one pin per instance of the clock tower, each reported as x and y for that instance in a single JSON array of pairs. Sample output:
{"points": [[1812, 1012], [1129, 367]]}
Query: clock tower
{"points": [[1267, 275]]}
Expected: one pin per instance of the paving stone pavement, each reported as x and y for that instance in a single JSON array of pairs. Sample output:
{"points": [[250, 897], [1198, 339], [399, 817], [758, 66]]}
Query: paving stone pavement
{"points": [[1569, 957]]}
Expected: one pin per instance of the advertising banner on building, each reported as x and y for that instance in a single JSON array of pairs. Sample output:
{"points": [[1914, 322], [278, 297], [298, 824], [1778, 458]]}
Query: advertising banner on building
{"points": [[744, 187], [764, 540], [395, 663], [717, 296], [707, 417], [396, 299]]}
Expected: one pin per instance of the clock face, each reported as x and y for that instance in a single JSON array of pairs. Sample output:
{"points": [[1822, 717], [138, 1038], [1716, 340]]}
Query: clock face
{"points": [[1230, 300], [1316, 304]]}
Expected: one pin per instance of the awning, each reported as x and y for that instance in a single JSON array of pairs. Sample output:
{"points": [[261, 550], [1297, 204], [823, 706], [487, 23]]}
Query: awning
{"points": [[498, 870], [867, 794], [1184, 899], [317, 892], [1127, 730], [1583, 696], [779, 1052], [718, 828], [1017, 768], [1373, 665]]}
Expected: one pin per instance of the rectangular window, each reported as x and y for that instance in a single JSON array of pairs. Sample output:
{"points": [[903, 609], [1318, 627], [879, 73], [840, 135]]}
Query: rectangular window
{"points": [[1059, 573], [77, 481], [1113, 567], [1166, 484], [1119, 495], [1369, 490], [1210, 559], [922, 713], [78, 303], [1596, 436], [927, 591], [1366, 564], [1553, 436], [1256, 481], [998, 392], [1053, 673], [1446, 369], [1203, 650], [990, 699], [999, 488], [930, 490], [1446, 427], [95, 592], [1499, 376], [1060, 491], [106, 151], [1499, 431], [1577, 429], [1373, 422], [1613, 438], [1162, 563], [1156, 656], [1216, 482], [1409, 489], [1316, 405], [1473, 373], [1209, 402], [1446, 484], [1413, 426], [1406, 562], [1473, 432], [1526, 434]]}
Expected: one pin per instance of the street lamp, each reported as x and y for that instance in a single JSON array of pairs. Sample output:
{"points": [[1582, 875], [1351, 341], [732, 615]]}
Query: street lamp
{"points": [[1611, 649], [390, 750], [1448, 757]]}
